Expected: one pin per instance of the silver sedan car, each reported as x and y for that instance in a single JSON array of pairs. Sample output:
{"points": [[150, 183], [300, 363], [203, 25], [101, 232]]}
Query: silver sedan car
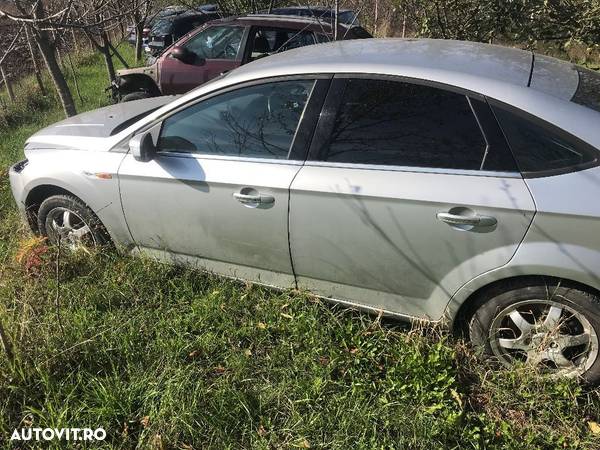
{"points": [[447, 181]]}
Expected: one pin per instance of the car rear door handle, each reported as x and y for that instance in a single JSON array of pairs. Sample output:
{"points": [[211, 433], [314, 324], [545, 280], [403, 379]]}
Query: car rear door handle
{"points": [[474, 220], [254, 199]]}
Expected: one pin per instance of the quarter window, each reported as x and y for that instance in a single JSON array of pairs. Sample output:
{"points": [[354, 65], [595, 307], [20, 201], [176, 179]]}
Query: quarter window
{"points": [[402, 124], [258, 122], [539, 148]]}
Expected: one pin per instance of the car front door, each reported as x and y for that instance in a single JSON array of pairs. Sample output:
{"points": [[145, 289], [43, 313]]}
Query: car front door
{"points": [[404, 198], [217, 192], [215, 49]]}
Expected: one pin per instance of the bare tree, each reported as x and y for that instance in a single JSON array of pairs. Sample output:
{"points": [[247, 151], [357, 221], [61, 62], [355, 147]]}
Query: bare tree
{"points": [[141, 10]]}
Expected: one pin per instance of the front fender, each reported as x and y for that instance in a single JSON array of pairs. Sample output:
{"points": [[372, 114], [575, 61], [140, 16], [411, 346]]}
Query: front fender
{"points": [[82, 179]]}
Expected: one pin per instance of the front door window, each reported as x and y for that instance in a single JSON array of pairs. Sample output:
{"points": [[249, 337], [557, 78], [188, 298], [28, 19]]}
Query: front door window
{"points": [[255, 122], [216, 43]]}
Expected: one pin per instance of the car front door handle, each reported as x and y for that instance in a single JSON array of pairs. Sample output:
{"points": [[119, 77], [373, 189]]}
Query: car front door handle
{"points": [[474, 220], [254, 199]]}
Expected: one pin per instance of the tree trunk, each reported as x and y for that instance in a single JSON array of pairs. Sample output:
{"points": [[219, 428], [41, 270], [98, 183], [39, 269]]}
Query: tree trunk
{"points": [[62, 88], [139, 35], [336, 20], [118, 55], [9, 89], [43, 41], [36, 66], [105, 49]]}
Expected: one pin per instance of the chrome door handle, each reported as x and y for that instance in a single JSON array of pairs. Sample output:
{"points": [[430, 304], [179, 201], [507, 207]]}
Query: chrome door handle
{"points": [[253, 199], [457, 219]]}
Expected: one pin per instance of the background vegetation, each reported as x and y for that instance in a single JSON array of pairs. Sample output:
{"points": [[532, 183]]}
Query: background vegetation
{"points": [[164, 357]]}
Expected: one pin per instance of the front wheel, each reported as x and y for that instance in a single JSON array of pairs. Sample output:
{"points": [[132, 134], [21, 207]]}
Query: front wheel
{"points": [[553, 327], [64, 219]]}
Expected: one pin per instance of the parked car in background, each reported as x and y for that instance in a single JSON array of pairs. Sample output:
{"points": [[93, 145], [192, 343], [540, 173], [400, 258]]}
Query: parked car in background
{"points": [[171, 28], [223, 45], [445, 181], [346, 16], [169, 11]]}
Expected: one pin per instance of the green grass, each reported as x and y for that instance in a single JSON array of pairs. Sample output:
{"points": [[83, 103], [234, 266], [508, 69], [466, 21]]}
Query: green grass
{"points": [[165, 357]]}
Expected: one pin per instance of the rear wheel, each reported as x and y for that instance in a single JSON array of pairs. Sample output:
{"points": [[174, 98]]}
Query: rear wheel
{"points": [[553, 327], [66, 220]]}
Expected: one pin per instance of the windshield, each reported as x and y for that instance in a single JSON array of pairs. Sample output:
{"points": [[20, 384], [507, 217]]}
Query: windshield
{"points": [[162, 27], [588, 89]]}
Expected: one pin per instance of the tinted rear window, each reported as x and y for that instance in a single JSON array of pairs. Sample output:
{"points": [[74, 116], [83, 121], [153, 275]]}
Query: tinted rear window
{"points": [[588, 90], [540, 148], [402, 124]]}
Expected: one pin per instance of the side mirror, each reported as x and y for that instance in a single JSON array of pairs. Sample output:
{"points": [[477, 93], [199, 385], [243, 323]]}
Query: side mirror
{"points": [[183, 55], [142, 147]]}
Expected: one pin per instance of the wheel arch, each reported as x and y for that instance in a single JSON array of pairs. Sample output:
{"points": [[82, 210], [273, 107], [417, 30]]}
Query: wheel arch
{"points": [[464, 311], [138, 82], [36, 196]]}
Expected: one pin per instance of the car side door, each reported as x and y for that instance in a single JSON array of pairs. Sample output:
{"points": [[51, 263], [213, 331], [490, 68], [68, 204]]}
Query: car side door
{"points": [[214, 50], [216, 194], [409, 192]]}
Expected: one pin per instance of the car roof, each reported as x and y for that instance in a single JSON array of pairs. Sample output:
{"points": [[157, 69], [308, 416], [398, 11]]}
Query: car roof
{"points": [[274, 19], [505, 74], [315, 9], [446, 60]]}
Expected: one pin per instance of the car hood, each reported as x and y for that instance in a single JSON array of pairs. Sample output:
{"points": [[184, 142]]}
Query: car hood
{"points": [[97, 124]]}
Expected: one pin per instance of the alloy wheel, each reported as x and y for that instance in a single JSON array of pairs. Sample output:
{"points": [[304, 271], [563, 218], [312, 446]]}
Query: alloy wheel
{"points": [[66, 226], [546, 334]]}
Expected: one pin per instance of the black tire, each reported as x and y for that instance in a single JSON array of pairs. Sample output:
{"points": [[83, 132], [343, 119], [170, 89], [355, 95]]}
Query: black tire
{"points": [[135, 96], [82, 216], [488, 324]]}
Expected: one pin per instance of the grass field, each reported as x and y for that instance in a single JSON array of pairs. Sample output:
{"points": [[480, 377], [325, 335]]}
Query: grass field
{"points": [[164, 357]]}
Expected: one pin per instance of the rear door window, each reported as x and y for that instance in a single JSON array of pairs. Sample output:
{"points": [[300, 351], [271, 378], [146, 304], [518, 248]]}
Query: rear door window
{"points": [[266, 41], [386, 122]]}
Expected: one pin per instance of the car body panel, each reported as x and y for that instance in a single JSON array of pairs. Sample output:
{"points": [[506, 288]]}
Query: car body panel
{"points": [[81, 177], [99, 123], [563, 240], [177, 77], [377, 229], [186, 203]]}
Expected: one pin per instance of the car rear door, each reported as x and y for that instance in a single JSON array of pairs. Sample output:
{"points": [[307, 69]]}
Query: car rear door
{"points": [[217, 192], [403, 198], [217, 49]]}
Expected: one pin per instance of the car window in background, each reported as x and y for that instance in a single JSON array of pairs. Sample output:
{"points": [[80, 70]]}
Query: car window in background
{"points": [[588, 89], [267, 41], [162, 27], [258, 122], [538, 148], [216, 43], [401, 124]]}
